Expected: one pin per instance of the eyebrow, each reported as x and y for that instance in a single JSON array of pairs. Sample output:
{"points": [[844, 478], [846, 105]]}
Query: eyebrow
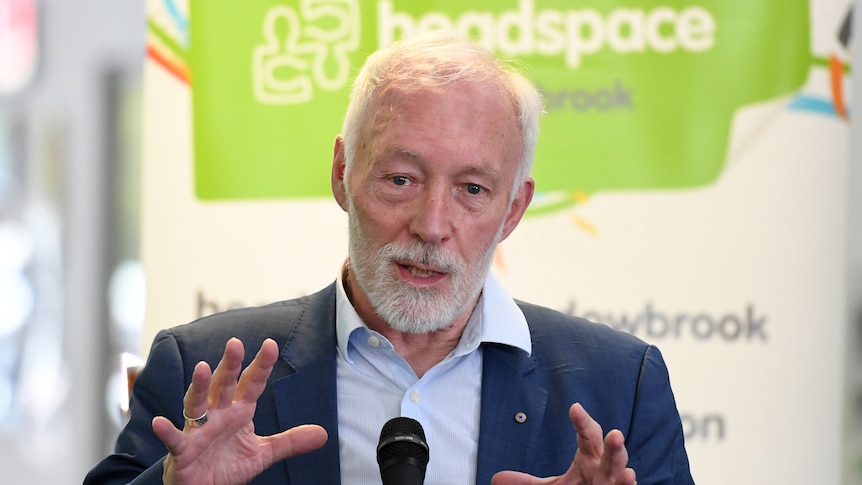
{"points": [[397, 151]]}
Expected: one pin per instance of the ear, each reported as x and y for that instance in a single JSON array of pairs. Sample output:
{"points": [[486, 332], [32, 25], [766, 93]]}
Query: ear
{"points": [[519, 206], [336, 177]]}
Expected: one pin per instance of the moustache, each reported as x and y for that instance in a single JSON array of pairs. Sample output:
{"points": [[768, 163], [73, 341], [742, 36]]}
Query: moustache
{"points": [[425, 255]]}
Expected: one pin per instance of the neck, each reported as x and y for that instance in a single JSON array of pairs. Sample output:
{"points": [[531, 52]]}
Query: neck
{"points": [[423, 351]]}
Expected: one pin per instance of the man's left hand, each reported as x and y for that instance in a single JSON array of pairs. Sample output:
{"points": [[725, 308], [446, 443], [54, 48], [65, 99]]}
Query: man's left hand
{"points": [[597, 462]]}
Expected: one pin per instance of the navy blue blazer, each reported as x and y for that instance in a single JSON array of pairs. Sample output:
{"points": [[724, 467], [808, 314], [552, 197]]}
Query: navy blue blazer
{"points": [[620, 380]]}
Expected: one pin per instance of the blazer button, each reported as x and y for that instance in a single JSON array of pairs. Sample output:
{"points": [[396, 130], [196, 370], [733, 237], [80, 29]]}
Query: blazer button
{"points": [[520, 417]]}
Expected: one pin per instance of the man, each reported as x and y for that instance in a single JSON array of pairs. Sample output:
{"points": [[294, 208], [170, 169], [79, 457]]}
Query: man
{"points": [[433, 170]]}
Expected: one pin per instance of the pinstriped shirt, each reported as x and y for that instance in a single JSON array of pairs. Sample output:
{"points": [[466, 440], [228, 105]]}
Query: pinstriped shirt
{"points": [[375, 384]]}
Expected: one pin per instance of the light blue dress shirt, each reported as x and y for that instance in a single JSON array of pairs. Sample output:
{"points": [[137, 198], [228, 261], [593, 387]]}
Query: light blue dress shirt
{"points": [[375, 384]]}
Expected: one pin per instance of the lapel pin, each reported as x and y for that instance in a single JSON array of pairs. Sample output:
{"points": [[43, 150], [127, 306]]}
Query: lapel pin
{"points": [[520, 417]]}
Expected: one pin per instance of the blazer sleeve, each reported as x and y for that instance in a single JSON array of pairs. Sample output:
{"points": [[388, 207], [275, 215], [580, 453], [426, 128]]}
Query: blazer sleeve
{"points": [[655, 440], [158, 391]]}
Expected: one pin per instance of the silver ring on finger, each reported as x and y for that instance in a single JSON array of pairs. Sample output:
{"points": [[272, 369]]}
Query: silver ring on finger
{"points": [[195, 422]]}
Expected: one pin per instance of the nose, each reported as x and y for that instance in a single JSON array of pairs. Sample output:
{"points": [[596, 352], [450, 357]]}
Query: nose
{"points": [[433, 218]]}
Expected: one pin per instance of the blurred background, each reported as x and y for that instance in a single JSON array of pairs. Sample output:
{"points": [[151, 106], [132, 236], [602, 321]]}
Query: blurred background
{"points": [[71, 284], [71, 289]]}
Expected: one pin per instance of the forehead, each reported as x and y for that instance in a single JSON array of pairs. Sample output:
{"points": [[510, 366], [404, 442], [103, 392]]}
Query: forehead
{"points": [[447, 120]]}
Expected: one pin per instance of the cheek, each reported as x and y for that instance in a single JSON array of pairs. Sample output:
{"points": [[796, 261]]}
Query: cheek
{"points": [[379, 222], [477, 238]]}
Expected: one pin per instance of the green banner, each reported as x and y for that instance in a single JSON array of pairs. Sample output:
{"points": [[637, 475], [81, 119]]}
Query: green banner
{"points": [[639, 94]]}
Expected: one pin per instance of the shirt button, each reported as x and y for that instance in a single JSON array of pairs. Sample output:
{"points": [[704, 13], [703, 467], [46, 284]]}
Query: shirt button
{"points": [[373, 341], [414, 396]]}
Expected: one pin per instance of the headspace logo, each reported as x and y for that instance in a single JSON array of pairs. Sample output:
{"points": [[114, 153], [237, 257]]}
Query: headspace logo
{"points": [[297, 54], [573, 33], [298, 44]]}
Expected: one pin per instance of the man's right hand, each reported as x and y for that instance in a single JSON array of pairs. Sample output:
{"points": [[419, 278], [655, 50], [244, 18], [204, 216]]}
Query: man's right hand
{"points": [[225, 450]]}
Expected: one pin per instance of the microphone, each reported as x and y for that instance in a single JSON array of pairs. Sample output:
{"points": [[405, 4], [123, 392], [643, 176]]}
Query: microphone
{"points": [[402, 452]]}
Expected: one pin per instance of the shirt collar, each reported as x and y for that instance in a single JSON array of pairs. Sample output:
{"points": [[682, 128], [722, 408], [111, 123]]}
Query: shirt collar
{"points": [[501, 322], [504, 322]]}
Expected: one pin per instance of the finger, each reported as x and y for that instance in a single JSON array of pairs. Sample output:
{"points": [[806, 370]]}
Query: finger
{"points": [[195, 401], [252, 382], [226, 374], [589, 432], [168, 434], [628, 477], [296, 441], [616, 456]]}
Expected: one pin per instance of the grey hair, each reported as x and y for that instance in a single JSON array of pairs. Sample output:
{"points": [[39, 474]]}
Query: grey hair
{"points": [[441, 59]]}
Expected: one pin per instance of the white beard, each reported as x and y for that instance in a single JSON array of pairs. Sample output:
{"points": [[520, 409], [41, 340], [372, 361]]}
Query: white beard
{"points": [[404, 307]]}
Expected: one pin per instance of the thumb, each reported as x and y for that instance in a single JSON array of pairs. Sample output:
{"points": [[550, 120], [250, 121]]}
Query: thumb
{"points": [[168, 434], [516, 478], [297, 441]]}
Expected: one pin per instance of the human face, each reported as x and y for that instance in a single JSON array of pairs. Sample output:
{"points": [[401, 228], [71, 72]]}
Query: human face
{"points": [[428, 198]]}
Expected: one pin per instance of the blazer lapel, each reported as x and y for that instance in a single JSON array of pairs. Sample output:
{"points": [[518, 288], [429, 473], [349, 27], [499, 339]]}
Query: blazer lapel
{"points": [[307, 395], [513, 409]]}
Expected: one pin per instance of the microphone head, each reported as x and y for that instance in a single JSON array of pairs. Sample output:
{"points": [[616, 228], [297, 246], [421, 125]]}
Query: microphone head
{"points": [[402, 440]]}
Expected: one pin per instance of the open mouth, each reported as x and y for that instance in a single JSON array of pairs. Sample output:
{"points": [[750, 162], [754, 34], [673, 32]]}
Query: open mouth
{"points": [[420, 271]]}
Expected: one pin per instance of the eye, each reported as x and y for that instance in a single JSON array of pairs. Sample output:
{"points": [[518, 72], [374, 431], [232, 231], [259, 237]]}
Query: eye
{"points": [[474, 189], [400, 180]]}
